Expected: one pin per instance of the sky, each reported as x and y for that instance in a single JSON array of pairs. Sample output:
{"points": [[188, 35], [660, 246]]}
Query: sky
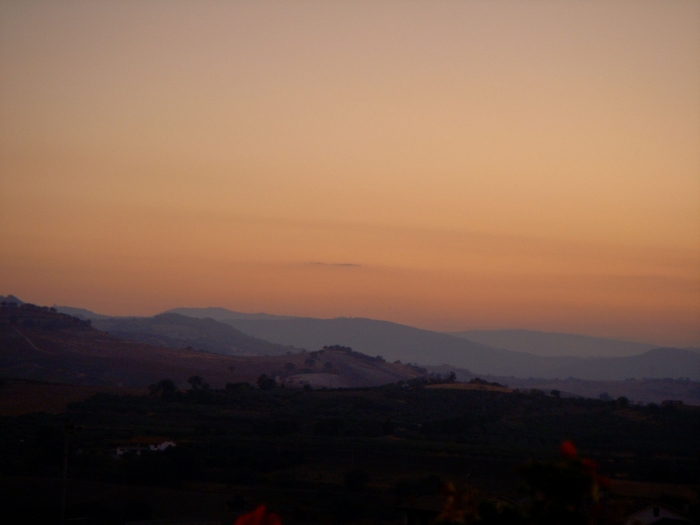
{"points": [[449, 165]]}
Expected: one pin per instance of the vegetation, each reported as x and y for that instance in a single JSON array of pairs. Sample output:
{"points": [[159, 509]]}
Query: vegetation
{"points": [[314, 454]]}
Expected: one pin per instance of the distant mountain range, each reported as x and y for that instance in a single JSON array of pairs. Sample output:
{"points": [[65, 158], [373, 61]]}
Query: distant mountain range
{"points": [[545, 344], [518, 353], [548, 355]]}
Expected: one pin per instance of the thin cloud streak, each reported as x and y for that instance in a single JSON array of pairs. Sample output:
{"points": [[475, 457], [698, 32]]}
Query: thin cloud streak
{"points": [[337, 265]]}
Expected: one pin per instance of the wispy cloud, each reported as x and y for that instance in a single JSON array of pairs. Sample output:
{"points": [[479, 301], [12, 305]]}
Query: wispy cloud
{"points": [[341, 265]]}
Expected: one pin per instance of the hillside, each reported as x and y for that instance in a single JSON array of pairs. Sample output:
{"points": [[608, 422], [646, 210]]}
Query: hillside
{"points": [[178, 331], [553, 344], [42, 344]]}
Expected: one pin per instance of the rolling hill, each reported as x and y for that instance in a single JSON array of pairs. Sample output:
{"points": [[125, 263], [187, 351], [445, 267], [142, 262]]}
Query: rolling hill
{"points": [[179, 331]]}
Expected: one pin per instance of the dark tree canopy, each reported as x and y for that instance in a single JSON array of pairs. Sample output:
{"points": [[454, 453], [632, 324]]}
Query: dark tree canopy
{"points": [[266, 383]]}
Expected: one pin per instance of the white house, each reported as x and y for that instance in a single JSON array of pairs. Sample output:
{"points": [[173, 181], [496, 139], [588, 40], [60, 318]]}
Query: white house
{"points": [[141, 443]]}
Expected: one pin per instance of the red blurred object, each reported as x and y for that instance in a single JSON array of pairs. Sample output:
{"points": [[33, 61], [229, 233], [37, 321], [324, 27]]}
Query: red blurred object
{"points": [[603, 481], [567, 449], [259, 516], [589, 465]]}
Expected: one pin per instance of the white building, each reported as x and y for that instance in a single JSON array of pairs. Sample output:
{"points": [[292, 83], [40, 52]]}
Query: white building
{"points": [[143, 443]]}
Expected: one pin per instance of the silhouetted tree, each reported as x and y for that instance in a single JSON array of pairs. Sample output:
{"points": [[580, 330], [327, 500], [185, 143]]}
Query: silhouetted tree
{"points": [[165, 388], [266, 383], [339, 348], [195, 382]]}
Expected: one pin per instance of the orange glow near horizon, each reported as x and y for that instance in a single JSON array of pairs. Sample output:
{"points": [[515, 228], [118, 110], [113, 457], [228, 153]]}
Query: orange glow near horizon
{"points": [[447, 165]]}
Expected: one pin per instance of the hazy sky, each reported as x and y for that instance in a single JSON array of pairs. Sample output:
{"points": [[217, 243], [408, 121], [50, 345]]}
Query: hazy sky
{"points": [[449, 165]]}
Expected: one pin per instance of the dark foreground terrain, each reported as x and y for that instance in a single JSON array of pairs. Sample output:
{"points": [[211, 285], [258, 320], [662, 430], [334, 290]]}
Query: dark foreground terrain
{"points": [[329, 456]]}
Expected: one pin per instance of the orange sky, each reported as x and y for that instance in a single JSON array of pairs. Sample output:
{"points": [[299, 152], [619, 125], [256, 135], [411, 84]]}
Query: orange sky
{"points": [[450, 165]]}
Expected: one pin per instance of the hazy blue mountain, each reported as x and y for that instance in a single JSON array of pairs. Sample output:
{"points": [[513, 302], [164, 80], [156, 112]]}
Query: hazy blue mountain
{"points": [[221, 314], [179, 331], [555, 344], [10, 299], [80, 313]]}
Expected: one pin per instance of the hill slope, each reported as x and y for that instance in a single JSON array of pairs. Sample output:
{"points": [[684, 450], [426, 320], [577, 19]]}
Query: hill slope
{"points": [[178, 331]]}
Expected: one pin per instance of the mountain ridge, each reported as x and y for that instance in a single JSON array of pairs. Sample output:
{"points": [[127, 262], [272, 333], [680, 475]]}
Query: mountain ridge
{"points": [[218, 313], [396, 342]]}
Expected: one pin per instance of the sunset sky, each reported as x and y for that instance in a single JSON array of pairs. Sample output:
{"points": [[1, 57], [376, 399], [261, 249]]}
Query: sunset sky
{"points": [[449, 165]]}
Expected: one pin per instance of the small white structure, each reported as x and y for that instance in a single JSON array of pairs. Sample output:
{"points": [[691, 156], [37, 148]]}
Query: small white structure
{"points": [[655, 513], [149, 443]]}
